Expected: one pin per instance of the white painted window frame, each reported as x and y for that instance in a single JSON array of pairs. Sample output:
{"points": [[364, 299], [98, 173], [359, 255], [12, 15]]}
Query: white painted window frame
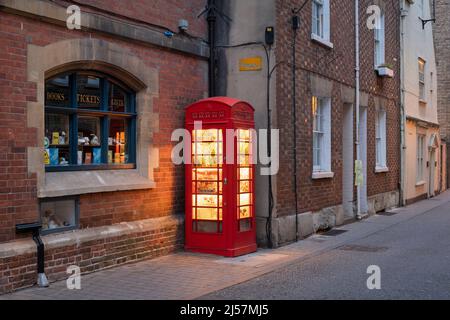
{"points": [[422, 67], [380, 140], [421, 11], [420, 158], [321, 21], [380, 42], [321, 110]]}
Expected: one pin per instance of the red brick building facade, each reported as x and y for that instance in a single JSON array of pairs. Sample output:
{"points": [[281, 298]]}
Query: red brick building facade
{"points": [[336, 67], [325, 71], [136, 212], [124, 215]]}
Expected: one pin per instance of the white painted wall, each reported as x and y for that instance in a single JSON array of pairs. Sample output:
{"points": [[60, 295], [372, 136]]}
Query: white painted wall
{"points": [[418, 43]]}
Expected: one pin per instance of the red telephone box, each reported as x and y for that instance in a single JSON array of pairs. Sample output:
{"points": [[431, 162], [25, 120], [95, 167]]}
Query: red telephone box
{"points": [[220, 197]]}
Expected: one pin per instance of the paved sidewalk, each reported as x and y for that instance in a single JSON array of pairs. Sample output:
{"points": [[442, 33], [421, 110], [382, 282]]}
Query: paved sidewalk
{"points": [[189, 276]]}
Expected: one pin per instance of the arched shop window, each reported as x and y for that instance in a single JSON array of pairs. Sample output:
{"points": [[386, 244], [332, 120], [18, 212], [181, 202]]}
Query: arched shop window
{"points": [[90, 123]]}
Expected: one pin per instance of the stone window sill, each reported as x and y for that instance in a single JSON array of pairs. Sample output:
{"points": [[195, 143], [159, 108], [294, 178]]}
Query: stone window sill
{"points": [[420, 183], [322, 175], [381, 169], [326, 43], [59, 184]]}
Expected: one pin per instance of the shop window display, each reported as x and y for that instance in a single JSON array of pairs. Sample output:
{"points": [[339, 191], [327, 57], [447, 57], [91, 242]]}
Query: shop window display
{"points": [[90, 123]]}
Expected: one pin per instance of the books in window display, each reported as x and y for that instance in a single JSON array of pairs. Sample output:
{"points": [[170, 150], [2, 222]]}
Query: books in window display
{"points": [[54, 156], [97, 155]]}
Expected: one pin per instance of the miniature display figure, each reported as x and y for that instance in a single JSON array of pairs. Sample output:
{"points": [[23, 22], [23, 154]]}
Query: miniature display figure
{"points": [[94, 140], [46, 142], [51, 221], [62, 138]]}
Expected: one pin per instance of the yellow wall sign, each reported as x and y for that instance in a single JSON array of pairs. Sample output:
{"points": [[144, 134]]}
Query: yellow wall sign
{"points": [[250, 64]]}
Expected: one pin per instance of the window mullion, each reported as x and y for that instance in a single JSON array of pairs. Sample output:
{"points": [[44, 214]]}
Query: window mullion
{"points": [[74, 139], [73, 120], [105, 135], [132, 140], [104, 84]]}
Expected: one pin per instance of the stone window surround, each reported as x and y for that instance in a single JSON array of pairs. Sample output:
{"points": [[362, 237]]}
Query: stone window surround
{"points": [[119, 62]]}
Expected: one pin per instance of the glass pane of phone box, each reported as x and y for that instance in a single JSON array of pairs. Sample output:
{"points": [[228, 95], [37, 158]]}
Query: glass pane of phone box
{"points": [[207, 226], [245, 225]]}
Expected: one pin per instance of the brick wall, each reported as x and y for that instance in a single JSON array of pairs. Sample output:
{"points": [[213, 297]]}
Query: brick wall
{"points": [[182, 80], [164, 13], [337, 65], [442, 47], [19, 270]]}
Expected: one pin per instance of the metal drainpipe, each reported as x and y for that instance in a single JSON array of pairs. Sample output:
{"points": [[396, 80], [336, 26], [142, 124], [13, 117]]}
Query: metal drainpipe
{"points": [[211, 18], [294, 123], [402, 104], [357, 102], [268, 51], [35, 228]]}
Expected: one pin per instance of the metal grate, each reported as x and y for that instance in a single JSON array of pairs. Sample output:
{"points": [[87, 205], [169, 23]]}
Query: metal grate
{"points": [[387, 213], [362, 248], [334, 232]]}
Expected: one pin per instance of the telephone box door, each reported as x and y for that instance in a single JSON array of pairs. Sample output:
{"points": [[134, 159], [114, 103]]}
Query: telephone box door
{"points": [[209, 189]]}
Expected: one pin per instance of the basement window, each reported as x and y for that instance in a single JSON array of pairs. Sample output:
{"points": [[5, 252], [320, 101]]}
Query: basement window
{"points": [[59, 214]]}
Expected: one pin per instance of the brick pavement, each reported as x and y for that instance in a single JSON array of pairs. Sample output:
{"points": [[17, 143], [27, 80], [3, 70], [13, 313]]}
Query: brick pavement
{"points": [[188, 275]]}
